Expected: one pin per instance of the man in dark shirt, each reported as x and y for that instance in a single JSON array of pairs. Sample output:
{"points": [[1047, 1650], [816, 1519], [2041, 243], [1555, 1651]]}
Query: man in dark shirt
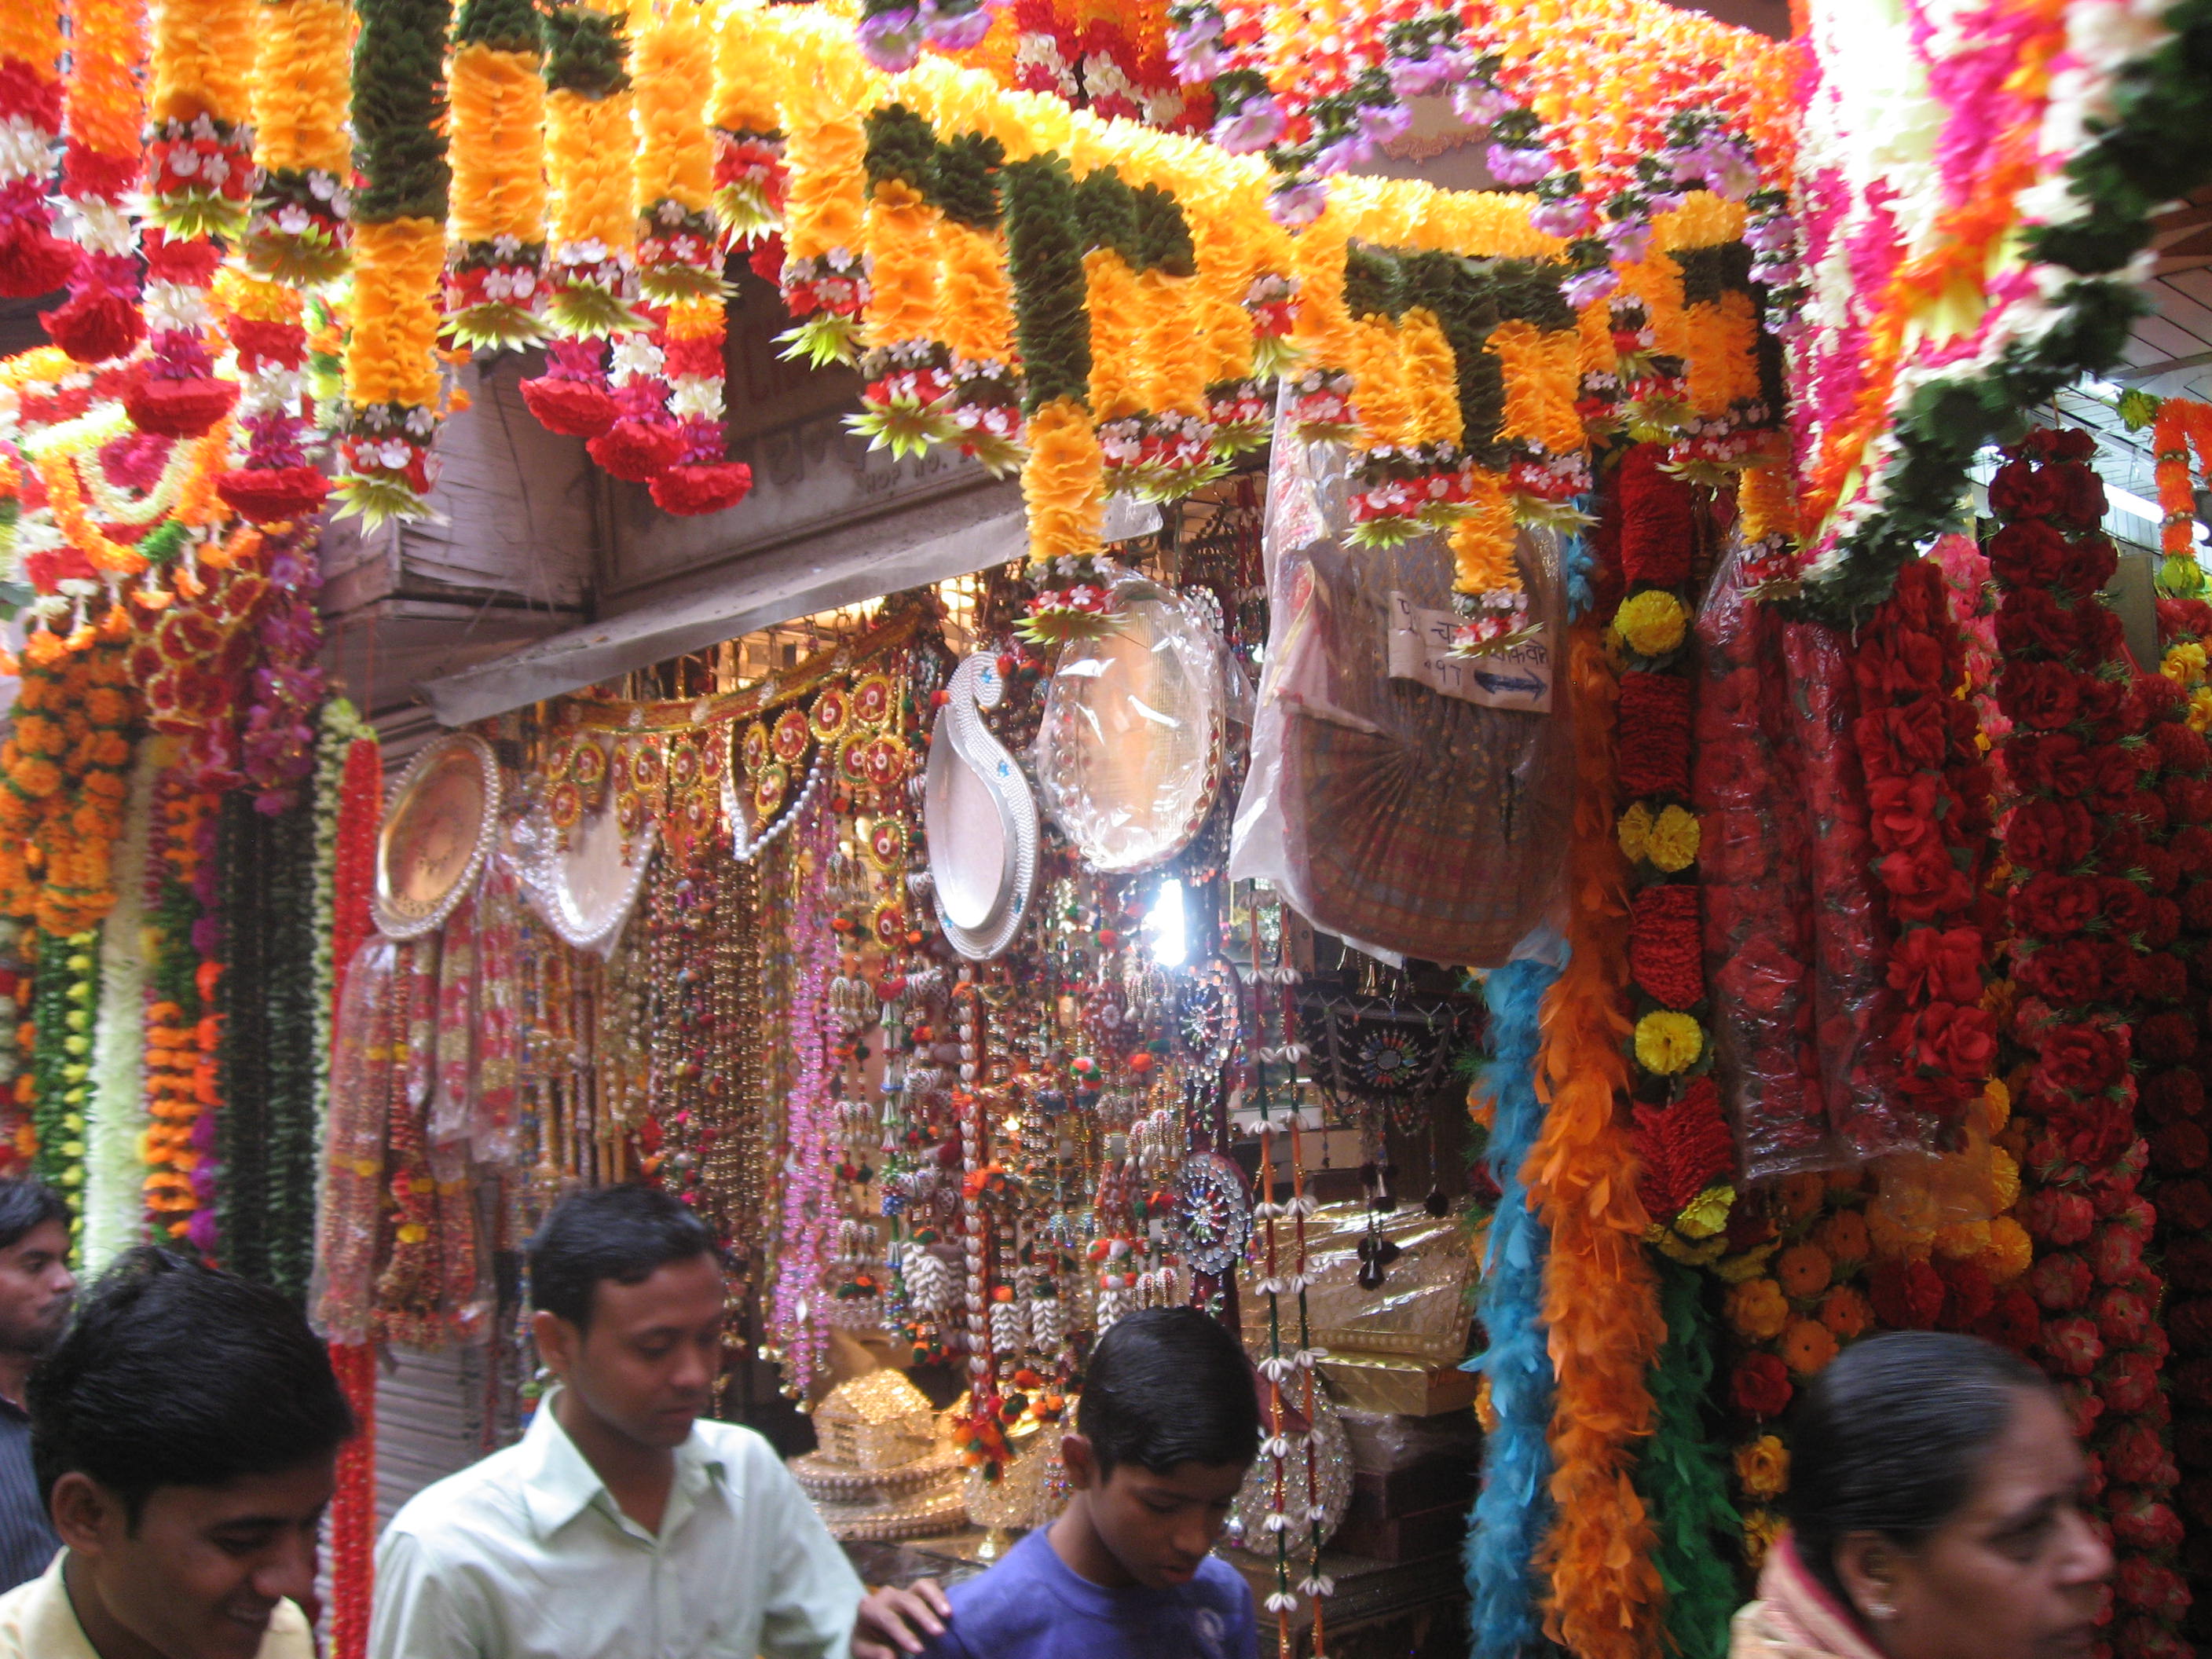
{"points": [[35, 1290]]}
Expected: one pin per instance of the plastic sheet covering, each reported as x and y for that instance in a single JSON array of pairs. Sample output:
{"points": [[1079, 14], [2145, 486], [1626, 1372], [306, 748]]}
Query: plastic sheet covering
{"points": [[1753, 861], [1129, 752], [1421, 1309], [1407, 819], [362, 1085], [1853, 1007]]}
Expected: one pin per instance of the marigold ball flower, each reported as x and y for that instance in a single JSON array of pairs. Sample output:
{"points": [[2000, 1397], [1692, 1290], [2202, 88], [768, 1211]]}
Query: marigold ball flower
{"points": [[2009, 1251], [1668, 1043], [1800, 1195], [1652, 622], [1804, 1270], [1673, 843], [1763, 1467], [1757, 1310], [1962, 1241], [1634, 832], [1844, 1236], [1808, 1348], [1845, 1312]]}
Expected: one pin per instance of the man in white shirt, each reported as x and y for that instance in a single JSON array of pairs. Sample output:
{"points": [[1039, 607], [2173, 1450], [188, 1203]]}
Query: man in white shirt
{"points": [[185, 1434], [621, 1525]]}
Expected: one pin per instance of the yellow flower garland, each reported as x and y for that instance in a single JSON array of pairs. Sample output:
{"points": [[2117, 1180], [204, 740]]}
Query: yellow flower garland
{"points": [[1173, 348], [301, 95], [975, 315], [745, 78], [1482, 541], [1062, 483], [674, 73], [1542, 374], [397, 263], [198, 67], [903, 263], [587, 146], [498, 145], [1116, 327], [1432, 375], [1380, 393]]}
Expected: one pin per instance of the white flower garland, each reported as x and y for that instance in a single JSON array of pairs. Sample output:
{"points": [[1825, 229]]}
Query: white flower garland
{"points": [[114, 1213]]}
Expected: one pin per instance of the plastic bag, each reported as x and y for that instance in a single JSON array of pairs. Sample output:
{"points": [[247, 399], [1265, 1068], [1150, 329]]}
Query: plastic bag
{"points": [[1753, 862], [1409, 820]]}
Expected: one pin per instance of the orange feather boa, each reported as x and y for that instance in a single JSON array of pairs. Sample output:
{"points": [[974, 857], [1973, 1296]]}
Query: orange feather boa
{"points": [[1600, 1295]]}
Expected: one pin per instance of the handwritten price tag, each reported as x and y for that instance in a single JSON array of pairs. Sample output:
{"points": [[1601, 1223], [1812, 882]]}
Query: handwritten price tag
{"points": [[1420, 650]]}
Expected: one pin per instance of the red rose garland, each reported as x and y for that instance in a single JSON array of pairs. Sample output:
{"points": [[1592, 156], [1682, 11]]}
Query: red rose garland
{"points": [[2089, 927], [1927, 788], [2173, 1104]]}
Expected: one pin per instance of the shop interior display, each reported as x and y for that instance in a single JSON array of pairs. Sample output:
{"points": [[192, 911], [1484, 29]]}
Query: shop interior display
{"points": [[1589, 785]]}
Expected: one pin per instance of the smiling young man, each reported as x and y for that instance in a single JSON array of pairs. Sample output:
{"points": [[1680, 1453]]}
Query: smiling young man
{"points": [[186, 1433], [622, 1524], [1168, 1424], [35, 1290]]}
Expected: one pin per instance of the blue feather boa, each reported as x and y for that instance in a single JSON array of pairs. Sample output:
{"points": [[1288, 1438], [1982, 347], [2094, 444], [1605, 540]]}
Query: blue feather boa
{"points": [[1514, 1507]]}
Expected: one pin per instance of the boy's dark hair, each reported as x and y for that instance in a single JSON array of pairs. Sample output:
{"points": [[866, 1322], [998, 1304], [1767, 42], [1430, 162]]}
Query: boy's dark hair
{"points": [[28, 1204], [1890, 1438], [174, 1375], [623, 1233], [1168, 1386]]}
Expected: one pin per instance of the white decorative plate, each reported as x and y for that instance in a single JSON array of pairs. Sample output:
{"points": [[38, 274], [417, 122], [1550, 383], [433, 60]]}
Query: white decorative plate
{"points": [[980, 817]]}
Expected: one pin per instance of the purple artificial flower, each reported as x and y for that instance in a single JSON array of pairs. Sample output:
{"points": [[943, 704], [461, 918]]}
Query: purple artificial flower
{"points": [[1628, 239], [1776, 273], [1255, 125], [1382, 124], [1479, 104], [1562, 216], [1345, 153], [1770, 232], [1587, 287], [1417, 77], [1512, 166], [1731, 171], [892, 40], [1294, 204], [200, 1230], [1194, 50], [956, 31]]}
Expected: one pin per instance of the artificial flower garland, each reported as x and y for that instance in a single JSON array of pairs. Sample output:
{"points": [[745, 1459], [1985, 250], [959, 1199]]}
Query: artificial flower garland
{"points": [[33, 260], [974, 302], [113, 1219], [65, 991], [496, 290], [2069, 758], [907, 371], [593, 260], [181, 1083], [297, 232], [748, 171], [105, 113], [394, 380], [2181, 426], [62, 789]]}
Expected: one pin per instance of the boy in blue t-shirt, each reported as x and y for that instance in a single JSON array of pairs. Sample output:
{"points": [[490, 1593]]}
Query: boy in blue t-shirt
{"points": [[1167, 1423]]}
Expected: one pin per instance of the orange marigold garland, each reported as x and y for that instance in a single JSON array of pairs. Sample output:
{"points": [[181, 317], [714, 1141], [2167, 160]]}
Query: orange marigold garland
{"points": [[297, 232], [2181, 425], [180, 1075], [907, 370], [748, 171], [62, 789], [1601, 1293]]}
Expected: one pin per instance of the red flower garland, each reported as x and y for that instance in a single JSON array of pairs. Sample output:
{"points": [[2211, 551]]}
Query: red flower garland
{"points": [[2080, 743], [1926, 785]]}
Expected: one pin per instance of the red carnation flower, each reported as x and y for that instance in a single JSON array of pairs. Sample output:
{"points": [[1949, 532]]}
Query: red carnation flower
{"points": [[2021, 489], [96, 324], [2136, 1455], [2129, 1382], [637, 449], [2081, 1405], [2080, 499], [1969, 1297], [699, 487], [1760, 1384], [177, 408], [2123, 1314], [2093, 561], [2188, 800], [2051, 906], [2161, 976], [578, 408], [2048, 834], [2186, 1204], [2058, 1219], [2191, 847], [2071, 1346], [33, 260], [272, 494], [2015, 1322], [2179, 749], [2062, 1281], [2197, 907], [2028, 554], [1933, 962], [2029, 621], [2079, 1060], [2179, 1148], [1658, 526], [2142, 1522], [2068, 974], [1907, 1296]]}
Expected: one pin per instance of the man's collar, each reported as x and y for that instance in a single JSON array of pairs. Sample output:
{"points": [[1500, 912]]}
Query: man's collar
{"points": [[559, 1483]]}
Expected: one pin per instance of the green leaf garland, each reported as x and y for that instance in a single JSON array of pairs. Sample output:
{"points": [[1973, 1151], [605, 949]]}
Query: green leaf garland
{"points": [[399, 109], [901, 145], [1681, 1477], [963, 185], [1044, 257], [587, 51]]}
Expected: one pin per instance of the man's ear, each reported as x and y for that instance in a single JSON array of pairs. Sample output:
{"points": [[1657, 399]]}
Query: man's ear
{"points": [[1082, 1463], [87, 1517], [557, 1341]]}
